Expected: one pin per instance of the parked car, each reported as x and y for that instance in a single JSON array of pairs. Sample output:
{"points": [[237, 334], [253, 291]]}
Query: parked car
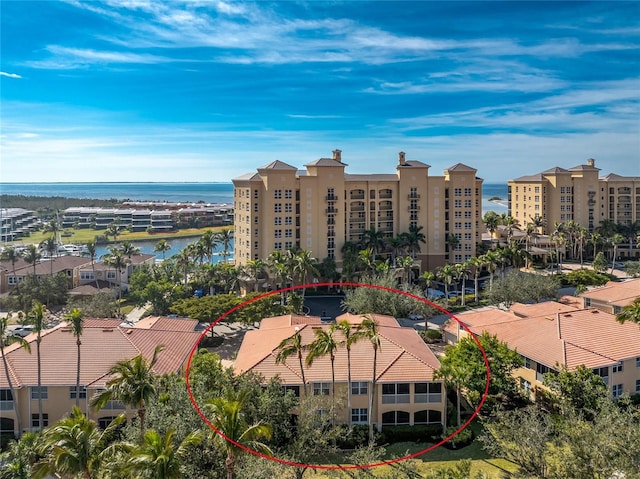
{"points": [[433, 293], [23, 331], [416, 317]]}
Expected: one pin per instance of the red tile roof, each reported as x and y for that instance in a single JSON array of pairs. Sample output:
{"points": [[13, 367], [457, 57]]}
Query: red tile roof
{"points": [[403, 355]]}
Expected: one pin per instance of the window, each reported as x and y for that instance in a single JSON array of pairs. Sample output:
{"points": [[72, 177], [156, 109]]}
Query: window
{"points": [[467, 192], [295, 389], [525, 385], [255, 194], [359, 388], [288, 244], [467, 203], [255, 207], [287, 194], [277, 233], [617, 390], [637, 386], [427, 416], [320, 389], [44, 392], [35, 420], [395, 417], [395, 393], [277, 208], [359, 415], [111, 275], [104, 422], [277, 220], [288, 208], [277, 245], [617, 368], [638, 362], [288, 233], [288, 220], [277, 194], [428, 392], [86, 275], [527, 362], [82, 392], [457, 191], [457, 203], [6, 400]]}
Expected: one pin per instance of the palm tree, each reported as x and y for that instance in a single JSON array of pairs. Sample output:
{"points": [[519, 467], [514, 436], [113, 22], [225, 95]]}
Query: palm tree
{"points": [[452, 243], [133, 383], [446, 274], [477, 264], [157, 456], [7, 338], [162, 246], [368, 329], [31, 255], [491, 221], [366, 257], [374, 240], [209, 240], [454, 375], [53, 227], [11, 255], [289, 346], [350, 338], [51, 247], [91, 249], [116, 259], [76, 319], [406, 263], [128, 249], [36, 317], [616, 239], [462, 273], [595, 239], [510, 224], [255, 268], [304, 265], [76, 447], [225, 236], [413, 238], [229, 421], [631, 312], [490, 259], [325, 343], [113, 230]]}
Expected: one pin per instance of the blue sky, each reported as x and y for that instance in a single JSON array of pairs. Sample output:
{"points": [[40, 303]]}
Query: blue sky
{"points": [[206, 91]]}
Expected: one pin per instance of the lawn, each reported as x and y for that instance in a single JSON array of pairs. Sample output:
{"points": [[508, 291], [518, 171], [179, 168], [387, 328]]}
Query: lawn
{"points": [[83, 236]]}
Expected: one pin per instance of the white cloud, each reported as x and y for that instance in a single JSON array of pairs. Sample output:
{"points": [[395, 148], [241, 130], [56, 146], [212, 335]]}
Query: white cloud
{"points": [[10, 75]]}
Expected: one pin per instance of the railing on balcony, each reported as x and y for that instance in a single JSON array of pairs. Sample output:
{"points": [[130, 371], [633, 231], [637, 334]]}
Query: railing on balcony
{"points": [[396, 398], [413, 208], [385, 207], [413, 196], [357, 208], [357, 196], [331, 198], [330, 210], [427, 397]]}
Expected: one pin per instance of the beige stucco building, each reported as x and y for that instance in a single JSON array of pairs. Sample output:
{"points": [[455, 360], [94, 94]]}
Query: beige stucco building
{"points": [[405, 393], [104, 342], [578, 194], [321, 207]]}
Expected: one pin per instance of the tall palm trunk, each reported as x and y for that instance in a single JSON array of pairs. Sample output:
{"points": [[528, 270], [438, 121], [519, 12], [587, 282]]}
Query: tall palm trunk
{"points": [[349, 384], [304, 381], [78, 343], [333, 392], [40, 416], [230, 464], [373, 392], [141, 416], [12, 389]]}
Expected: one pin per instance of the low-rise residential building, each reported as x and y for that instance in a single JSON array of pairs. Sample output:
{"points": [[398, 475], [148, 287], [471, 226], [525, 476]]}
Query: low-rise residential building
{"points": [[70, 266], [16, 223], [100, 271], [552, 335], [613, 296], [104, 343], [406, 391]]}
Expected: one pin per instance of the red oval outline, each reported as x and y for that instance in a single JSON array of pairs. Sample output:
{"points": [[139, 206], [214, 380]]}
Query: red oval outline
{"points": [[327, 466]]}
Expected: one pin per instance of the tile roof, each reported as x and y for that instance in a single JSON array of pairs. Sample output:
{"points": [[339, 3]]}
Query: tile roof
{"points": [[104, 342], [325, 162], [579, 336], [530, 178], [616, 293], [277, 165], [403, 355], [61, 263], [460, 167]]}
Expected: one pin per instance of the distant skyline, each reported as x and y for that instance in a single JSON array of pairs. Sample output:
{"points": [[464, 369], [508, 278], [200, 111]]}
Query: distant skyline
{"points": [[204, 91]]}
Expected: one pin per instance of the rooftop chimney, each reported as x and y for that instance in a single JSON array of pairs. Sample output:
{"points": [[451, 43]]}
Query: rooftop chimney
{"points": [[401, 158], [337, 155], [591, 162]]}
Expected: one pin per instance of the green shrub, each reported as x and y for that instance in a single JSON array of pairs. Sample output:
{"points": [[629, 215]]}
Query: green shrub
{"points": [[462, 439], [431, 336], [356, 436], [585, 277], [416, 433]]}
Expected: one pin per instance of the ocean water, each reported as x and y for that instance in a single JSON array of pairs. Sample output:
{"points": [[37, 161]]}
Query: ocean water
{"points": [[177, 192]]}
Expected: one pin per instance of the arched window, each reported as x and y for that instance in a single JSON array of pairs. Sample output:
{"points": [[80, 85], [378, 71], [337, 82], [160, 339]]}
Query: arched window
{"points": [[427, 416]]}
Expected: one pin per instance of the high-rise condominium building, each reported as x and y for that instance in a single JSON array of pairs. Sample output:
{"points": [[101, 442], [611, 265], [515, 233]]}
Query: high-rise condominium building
{"points": [[321, 208], [578, 194]]}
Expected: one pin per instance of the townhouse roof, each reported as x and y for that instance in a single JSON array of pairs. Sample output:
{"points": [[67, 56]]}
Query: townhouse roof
{"points": [[104, 342], [60, 263], [326, 162], [460, 167], [415, 164], [247, 177], [277, 165], [90, 289], [370, 177], [577, 336], [584, 168], [7, 266], [163, 323], [529, 178], [402, 356], [556, 170], [615, 293]]}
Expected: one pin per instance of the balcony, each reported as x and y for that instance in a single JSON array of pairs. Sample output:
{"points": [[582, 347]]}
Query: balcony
{"points": [[357, 208], [331, 198], [413, 196], [413, 208], [331, 210], [357, 196], [385, 207]]}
